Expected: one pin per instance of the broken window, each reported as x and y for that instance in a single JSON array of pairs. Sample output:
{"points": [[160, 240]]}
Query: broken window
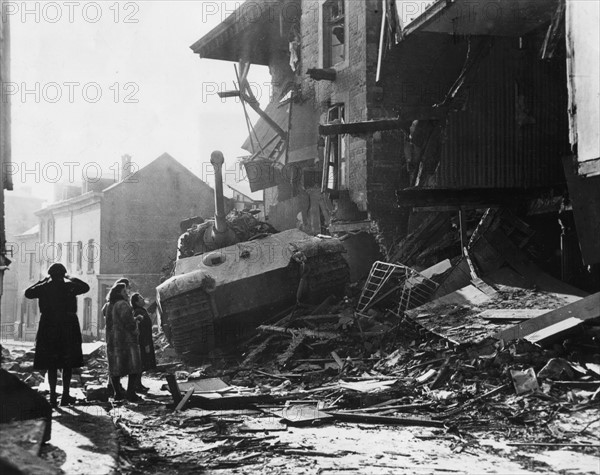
{"points": [[335, 168], [333, 33]]}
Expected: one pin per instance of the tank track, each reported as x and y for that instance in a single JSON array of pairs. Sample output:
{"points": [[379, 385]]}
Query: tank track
{"points": [[191, 322]]}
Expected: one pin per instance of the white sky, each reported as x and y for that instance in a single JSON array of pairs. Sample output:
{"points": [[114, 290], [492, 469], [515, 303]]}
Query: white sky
{"points": [[138, 50]]}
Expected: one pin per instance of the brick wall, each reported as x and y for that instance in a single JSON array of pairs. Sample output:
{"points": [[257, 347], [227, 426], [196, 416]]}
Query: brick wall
{"points": [[376, 164]]}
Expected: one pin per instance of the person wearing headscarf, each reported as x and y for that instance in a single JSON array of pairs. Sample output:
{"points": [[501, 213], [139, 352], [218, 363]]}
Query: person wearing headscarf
{"points": [[58, 340], [125, 358], [146, 340]]}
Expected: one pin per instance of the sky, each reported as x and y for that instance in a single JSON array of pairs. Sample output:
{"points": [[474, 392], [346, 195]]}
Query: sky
{"points": [[92, 81]]}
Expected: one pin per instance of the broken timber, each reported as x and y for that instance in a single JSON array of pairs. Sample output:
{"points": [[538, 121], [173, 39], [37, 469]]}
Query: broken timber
{"points": [[375, 419], [317, 335], [577, 312], [370, 126]]}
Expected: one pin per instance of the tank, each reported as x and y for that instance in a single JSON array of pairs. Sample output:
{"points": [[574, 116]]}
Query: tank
{"points": [[219, 296]]}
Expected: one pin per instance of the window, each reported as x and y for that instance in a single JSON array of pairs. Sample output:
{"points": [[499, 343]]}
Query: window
{"points": [[31, 258], [91, 255], [87, 314], [50, 229], [335, 168], [29, 310], [79, 256], [334, 30], [69, 255]]}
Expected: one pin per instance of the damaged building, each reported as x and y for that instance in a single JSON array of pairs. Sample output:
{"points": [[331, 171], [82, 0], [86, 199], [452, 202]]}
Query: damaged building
{"points": [[385, 115], [423, 295]]}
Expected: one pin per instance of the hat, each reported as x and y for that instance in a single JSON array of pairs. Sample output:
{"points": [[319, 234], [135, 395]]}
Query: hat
{"points": [[57, 270]]}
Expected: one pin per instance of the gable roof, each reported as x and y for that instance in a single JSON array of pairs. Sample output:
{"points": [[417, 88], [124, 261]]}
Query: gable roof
{"points": [[164, 158]]}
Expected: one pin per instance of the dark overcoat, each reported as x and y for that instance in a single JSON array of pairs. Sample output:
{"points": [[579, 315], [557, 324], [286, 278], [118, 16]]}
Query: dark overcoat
{"points": [[146, 340], [124, 351], [58, 339]]}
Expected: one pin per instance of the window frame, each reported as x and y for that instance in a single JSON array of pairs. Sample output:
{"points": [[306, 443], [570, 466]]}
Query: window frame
{"points": [[87, 314], [79, 257], [336, 159], [90, 256], [326, 26]]}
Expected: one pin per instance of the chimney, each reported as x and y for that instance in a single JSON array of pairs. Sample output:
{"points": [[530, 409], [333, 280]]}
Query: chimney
{"points": [[126, 170]]}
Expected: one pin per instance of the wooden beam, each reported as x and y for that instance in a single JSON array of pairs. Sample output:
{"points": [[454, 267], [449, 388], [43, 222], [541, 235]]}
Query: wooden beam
{"points": [[406, 114], [584, 309], [328, 74], [252, 102], [225, 94], [359, 127], [470, 197]]}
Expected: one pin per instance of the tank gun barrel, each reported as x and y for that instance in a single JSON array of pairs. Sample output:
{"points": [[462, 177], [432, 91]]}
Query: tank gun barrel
{"points": [[217, 160]]}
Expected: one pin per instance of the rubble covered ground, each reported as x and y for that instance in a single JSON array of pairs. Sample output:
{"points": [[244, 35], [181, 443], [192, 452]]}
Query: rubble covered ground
{"points": [[323, 391], [463, 367]]}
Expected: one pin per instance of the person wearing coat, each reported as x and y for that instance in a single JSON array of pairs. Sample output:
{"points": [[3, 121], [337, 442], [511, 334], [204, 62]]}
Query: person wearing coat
{"points": [[107, 325], [146, 340], [125, 358], [58, 339]]}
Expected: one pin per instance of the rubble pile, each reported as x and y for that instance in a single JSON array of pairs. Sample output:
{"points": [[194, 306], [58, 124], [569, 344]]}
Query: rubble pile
{"points": [[324, 366], [492, 347], [464, 351]]}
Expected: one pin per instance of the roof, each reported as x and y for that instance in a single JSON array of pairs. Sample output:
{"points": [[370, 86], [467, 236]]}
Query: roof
{"points": [[31, 231], [251, 32], [85, 199], [162, 158], [483, 17], [94, 196]]}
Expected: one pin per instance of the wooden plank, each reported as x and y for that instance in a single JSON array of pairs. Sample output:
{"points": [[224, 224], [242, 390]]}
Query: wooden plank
{"points": [[503, 314], [469, 295], [582, 310], [184, 400], [174, 388], [319, 335], [208, 385], [375, 419]]}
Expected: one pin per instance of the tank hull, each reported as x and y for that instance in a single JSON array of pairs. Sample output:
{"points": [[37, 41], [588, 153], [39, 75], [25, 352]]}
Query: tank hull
{"points": [[215, 299]]}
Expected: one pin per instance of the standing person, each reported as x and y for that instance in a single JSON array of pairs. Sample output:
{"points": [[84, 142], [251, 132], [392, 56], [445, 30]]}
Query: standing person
{"points": [[110, 352], [58, 339], [125, 359], [122, 280], [146, 341]]}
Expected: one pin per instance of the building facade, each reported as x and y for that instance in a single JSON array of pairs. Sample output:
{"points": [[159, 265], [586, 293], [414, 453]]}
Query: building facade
{"points": [[385, 111], [27, 271], [129, 229], [20, 219], [5, 137]]}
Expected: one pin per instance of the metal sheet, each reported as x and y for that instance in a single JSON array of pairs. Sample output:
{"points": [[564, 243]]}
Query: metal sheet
{"points": [[513, 131]]}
